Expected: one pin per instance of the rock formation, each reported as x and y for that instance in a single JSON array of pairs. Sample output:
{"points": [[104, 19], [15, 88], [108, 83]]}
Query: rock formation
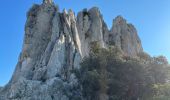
{"points": [[54, 45], [125, 36], [47, 1]]}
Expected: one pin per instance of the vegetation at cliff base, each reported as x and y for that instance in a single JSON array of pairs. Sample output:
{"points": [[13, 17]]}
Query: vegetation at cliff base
{"points": [[107, 74]]}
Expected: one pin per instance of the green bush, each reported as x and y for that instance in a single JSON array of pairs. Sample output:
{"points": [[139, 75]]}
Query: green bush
{"points": [[108, 72]]}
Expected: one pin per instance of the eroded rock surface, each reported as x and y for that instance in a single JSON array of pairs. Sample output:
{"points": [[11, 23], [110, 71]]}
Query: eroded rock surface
{"points": [[124, 36], [55, 43]]}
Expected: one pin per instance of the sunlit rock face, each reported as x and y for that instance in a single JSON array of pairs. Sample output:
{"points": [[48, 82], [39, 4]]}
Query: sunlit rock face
{"points": [[55, 43], [124, 36], [90, 26]]}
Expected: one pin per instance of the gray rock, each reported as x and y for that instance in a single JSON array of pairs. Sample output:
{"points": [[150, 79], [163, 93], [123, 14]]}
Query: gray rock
{"points": [[124, 36], [54, 45], [48, 1], [90, 28]]}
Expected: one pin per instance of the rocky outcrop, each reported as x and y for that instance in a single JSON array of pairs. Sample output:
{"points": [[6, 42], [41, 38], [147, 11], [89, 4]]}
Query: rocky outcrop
{"points": [[90, 26], [55, 43], [124, 36], [47, 1]]}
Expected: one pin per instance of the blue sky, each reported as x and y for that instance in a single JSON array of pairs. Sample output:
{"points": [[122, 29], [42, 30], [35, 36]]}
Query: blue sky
{"points": [[150, 17]]}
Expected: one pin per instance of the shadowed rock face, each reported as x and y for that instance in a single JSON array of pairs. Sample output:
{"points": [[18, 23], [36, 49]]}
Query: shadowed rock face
{"points": [[54, 45]]}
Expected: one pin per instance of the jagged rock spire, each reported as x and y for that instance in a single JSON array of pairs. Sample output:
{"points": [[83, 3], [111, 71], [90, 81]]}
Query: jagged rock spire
{"points": [[47, 1], [55, 44]]}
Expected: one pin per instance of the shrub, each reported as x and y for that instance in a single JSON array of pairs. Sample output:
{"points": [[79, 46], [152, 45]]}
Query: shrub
{"points": [[106, 72]]}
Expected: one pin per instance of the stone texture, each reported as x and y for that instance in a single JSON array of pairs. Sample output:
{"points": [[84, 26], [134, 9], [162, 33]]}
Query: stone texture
{"points": [[55, 43], [90, 29], [124, 36]]}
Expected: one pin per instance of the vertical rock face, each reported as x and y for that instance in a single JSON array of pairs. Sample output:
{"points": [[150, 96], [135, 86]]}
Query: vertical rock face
{"points": [[125, 36], [54, 45], [90, 29]]}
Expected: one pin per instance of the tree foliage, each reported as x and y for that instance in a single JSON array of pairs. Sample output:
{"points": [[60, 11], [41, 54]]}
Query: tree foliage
{"points": [[107, 73]]}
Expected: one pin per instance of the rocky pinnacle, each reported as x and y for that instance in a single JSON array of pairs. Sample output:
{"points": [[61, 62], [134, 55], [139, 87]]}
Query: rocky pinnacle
{"points": [[48, 1], [54, 45]]}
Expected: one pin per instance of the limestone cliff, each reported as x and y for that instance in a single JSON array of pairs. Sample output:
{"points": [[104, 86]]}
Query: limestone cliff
{"points": [[54, 44]]}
